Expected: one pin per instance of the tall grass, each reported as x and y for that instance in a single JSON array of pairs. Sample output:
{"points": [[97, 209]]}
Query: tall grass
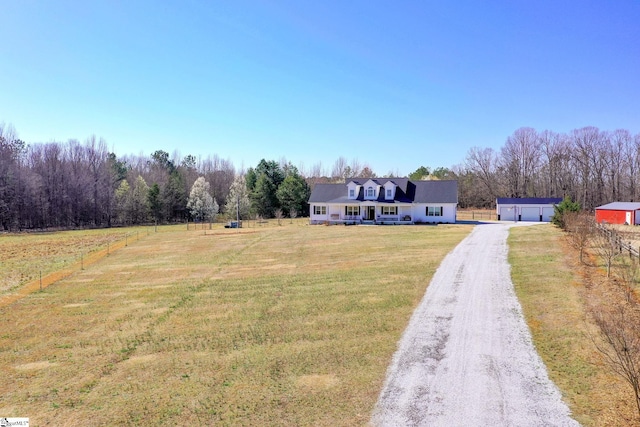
{"points": [[291, 325]]}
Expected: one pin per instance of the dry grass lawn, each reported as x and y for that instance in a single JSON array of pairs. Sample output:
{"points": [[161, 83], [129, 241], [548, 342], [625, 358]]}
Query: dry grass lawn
{"points": [[553, 287], [290, 325], [25, 256]]}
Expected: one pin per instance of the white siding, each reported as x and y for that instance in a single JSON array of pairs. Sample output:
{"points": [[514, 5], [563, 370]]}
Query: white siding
{"points": [[448, 213]]}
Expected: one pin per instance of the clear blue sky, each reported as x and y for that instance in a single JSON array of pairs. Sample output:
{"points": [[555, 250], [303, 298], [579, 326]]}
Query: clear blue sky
{"points": [[396, 84]]}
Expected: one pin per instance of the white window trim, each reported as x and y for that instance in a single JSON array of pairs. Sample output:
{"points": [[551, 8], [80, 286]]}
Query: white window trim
{"points": [[371, 192], [352, 210], [390, 210], [319, 210], [439, 212]]}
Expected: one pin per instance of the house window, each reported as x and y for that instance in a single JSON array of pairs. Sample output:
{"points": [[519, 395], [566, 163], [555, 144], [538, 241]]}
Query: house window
{"points": [[352, 210], [389, 210], [388, 193], [434, 210], [370, 192], [352, 193], [319, 210]]}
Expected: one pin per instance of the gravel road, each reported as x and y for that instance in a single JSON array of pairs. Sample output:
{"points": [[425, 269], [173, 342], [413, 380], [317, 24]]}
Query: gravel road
{"points": [[466, 358]]}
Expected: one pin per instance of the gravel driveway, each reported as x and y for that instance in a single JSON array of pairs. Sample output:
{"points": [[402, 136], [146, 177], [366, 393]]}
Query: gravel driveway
{"points": [[466, 358]]}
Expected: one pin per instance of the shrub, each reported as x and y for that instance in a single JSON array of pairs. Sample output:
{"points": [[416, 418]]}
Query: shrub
{"points": [[561, 209]]}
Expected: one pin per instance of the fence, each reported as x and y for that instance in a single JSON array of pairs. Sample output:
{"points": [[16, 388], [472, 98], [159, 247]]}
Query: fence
{"points": [[48, 279], [477, 215], [617, 240]]}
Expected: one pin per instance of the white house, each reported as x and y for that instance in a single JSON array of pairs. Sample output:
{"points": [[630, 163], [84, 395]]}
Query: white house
{"points": [[384, 201], [537, 209]]}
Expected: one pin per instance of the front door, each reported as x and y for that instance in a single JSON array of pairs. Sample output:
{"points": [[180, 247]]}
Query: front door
{"points": [[370, 213]]}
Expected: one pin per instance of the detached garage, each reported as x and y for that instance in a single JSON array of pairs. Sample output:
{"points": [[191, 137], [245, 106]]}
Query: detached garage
{"points": [[535, 209], [619, 213]]}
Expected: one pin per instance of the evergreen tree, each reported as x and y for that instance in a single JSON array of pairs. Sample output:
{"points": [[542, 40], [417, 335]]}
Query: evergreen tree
{"points": [[293, 194], [155, 203], [563, 208], [264, 201]]}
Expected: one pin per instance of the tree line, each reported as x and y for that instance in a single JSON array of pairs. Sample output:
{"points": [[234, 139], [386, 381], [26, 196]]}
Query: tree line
{"points": [[76, 184], [588, 165]]}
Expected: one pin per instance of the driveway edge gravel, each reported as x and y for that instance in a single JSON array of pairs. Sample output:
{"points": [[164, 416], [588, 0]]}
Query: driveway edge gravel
{"points": [[467, 357]]}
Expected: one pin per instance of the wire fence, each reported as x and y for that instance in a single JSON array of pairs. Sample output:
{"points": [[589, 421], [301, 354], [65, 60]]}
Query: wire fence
{"points": [[83, 260]]}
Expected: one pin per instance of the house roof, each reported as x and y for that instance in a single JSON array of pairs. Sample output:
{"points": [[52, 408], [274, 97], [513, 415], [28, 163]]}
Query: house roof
{"points": [[407, 191], [620, 206], [528, 200]]}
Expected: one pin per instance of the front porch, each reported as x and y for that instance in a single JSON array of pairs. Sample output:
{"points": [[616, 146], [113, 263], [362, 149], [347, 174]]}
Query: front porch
{"points": [[336, 218], [393, 219]]}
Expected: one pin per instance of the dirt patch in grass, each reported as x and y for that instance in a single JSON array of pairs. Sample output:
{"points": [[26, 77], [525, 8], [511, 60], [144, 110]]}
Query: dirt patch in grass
{"points": [[34, 366], [314, 383]]}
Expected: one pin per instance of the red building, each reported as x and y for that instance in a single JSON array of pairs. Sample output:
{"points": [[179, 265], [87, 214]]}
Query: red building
{"points": [[619, 213]]}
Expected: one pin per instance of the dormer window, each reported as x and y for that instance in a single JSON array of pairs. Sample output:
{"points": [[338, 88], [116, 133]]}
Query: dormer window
{"points": [[352, 193], [389, 193], [370, 192]]}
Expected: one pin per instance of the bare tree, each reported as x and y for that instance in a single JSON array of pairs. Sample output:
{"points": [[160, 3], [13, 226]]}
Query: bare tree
{"points": [[606, 246], [619, 331], [617, 164], [483, 162], [520, 161], [627, 275], [340, 169], [556, 179], [367, 172], [278, 214], [580, 228], [589, 155]]}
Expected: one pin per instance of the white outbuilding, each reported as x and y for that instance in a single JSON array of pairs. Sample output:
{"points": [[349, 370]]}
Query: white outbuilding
{"points": [[535, 209]]}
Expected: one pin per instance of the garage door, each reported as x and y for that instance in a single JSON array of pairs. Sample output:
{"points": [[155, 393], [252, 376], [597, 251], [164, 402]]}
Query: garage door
{"points": [[547, 213], [506, 214], [530, 214]]}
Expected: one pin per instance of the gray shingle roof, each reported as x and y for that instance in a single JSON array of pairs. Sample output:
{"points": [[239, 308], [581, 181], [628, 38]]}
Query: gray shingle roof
{"points": [[620, 206], [407, 191]]}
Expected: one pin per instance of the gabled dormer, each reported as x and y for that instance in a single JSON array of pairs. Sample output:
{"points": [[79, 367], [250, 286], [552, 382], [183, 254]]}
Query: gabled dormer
{"points": [[371, 190], [389, 190], [353, 188]]}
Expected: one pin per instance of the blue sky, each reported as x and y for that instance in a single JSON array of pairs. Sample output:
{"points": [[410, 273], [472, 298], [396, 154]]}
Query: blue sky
{"points": [[395, 84]]}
